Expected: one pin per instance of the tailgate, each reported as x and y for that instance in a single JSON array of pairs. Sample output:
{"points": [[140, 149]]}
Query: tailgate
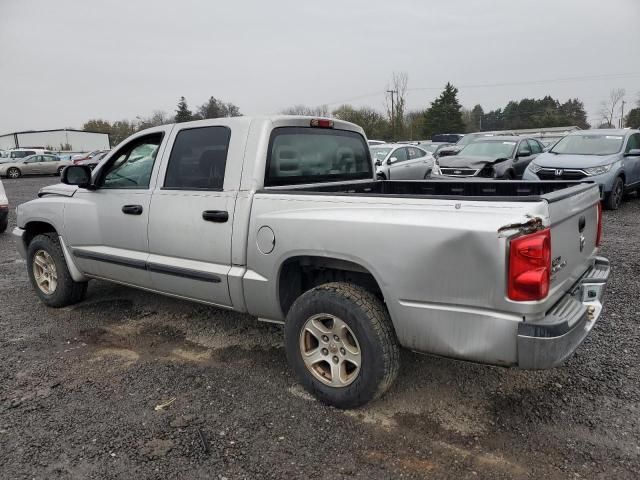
{"points": [[574, 227]]}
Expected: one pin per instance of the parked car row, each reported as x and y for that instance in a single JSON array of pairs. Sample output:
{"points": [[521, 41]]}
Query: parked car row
{"points": [[608, 157], [40, 164]]}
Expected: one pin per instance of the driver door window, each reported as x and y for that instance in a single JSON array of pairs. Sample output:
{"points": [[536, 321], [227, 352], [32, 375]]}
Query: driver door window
{"points": [[131, 167]]}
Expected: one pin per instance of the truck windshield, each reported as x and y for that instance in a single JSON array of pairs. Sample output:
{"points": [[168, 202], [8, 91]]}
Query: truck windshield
{"points": [[589, 145], [299, 155]]}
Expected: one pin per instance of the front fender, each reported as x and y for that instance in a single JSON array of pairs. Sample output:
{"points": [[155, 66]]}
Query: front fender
{"points": [[48, 210]]}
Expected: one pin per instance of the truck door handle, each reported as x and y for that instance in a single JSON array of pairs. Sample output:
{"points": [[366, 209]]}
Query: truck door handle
{"points": [[218, 216], [132, 209]]}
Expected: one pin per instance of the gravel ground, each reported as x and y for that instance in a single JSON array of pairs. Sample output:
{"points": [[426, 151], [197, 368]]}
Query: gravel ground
{"points": [[79, 388]]}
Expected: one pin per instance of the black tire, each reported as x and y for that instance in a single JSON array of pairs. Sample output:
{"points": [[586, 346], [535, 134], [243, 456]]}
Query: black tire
{"points": [[4, 223], [613, 199], [371, 325], [67, 291], [14, 172]]}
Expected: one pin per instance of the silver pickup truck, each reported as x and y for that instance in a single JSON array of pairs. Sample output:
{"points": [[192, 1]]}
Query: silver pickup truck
{"points": [[281, 218]]}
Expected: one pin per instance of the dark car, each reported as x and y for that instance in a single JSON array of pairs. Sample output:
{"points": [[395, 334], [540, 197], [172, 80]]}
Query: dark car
{"points": [[502, 157], [447, 137], [93, 161]]}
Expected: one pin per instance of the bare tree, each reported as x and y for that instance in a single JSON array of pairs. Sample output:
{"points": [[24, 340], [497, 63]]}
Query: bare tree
{"points": [[396, 101], [319, 111], [608, 108]]}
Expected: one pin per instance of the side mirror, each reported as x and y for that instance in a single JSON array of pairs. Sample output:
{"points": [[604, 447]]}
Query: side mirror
{"points": [[79, 175], [526, 153], [634, 152], [392, 160]]}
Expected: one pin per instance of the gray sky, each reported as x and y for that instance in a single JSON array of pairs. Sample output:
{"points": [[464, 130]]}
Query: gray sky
{"points": [[63, 62]]}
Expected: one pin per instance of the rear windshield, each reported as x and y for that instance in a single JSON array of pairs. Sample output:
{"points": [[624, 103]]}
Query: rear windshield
{"points": [[380, 153], [589, 144], [300, 155]]}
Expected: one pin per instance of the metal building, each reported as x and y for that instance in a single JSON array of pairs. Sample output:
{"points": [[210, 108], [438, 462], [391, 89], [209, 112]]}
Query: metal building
{"points": [[56, 140]]}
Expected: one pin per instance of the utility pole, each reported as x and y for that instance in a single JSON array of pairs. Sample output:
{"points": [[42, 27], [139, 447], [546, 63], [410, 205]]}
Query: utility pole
{"points": [[622, 115], [480, 122], [393, 115]]}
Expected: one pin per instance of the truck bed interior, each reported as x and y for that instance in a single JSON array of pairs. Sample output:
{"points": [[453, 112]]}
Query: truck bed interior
{"points": [[444, 189]]}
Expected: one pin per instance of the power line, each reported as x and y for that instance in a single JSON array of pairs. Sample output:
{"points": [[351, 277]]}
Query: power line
{"points": [[533, 82], [490, 85]]}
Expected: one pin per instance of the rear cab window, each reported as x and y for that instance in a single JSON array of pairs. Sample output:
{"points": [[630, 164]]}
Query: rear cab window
{"points": [[301, 155], [198, 159]]}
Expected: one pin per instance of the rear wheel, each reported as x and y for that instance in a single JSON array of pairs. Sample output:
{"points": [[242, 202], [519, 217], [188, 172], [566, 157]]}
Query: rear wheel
{"points": [[341, 345], [49, 274], [613, 199], [13, 172]]}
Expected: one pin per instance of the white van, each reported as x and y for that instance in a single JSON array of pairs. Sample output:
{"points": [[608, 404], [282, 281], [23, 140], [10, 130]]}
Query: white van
{"points": [[25, 152]]}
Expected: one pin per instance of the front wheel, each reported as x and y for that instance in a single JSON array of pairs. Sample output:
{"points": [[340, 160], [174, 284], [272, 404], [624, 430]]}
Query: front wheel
{"points": [[13, 172], [341, 344], [49, 274], [613, 199]]}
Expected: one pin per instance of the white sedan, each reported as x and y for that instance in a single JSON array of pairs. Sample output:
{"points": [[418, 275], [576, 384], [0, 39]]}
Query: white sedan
{"points": [[401, 162]]}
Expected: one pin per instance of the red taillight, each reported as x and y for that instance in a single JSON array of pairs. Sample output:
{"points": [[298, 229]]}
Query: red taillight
{"points": [[322, 123], [599, 231], [529, 266]]}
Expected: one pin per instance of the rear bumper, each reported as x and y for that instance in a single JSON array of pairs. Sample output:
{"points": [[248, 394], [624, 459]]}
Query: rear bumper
{"points": [[549, 342]]}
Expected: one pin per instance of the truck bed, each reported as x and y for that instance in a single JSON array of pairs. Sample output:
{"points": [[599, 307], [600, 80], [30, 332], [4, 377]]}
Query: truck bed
{"points": [[503, 190]]}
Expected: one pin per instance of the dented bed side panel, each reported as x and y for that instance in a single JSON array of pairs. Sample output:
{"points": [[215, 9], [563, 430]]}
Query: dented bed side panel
{"points": [[439, 263]]}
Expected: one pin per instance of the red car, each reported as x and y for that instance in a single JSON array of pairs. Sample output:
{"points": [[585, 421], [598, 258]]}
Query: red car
{"points": [[76, 159]]}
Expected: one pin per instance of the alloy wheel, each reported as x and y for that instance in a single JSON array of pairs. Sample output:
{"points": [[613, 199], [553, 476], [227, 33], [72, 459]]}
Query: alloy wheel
{"points": [[44, 272], [330, 350]]}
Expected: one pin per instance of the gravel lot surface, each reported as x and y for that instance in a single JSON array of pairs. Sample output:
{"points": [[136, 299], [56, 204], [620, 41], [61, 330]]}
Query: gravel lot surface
{"points": [[79, 388]]}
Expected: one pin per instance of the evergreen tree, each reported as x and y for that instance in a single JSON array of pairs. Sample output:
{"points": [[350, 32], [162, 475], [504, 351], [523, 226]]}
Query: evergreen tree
{"points": [[183, 114], [215, 108], [633, 118], [445, 114], [474, 119]]}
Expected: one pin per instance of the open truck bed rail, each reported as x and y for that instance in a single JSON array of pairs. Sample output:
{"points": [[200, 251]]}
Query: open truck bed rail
{"points": [[504, 190]]}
